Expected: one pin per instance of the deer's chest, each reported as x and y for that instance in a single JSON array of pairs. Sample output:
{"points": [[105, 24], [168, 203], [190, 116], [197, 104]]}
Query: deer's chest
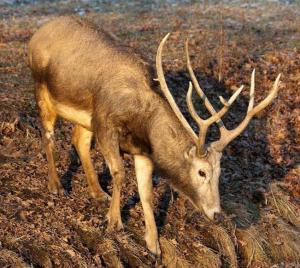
{"points": [[131, 144]]}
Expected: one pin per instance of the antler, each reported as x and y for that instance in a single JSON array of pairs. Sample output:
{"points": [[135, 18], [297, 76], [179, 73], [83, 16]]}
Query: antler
{"points": [[199, 90], [202, 123], [167, 93], [205, 123], [228, 135]]}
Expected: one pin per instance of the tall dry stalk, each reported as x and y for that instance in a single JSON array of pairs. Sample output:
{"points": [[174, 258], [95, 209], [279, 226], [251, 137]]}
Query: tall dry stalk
{"points": [[221, 48]]}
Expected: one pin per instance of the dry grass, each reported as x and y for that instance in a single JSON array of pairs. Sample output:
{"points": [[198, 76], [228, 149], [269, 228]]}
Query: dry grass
{"points": [[206, 258], [225, 244], [108, 254], [133, 252], [271, 241], [115, 249], [275, 236], [171, 257], [280, 201], [11, 259], [95, 242], [284, 242], [198, 253], [252, 245], [39, 254], [217, 238], [239, 212]]}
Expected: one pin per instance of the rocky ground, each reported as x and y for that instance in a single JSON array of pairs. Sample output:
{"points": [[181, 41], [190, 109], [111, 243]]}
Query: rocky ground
{"points": [[260, 184]]}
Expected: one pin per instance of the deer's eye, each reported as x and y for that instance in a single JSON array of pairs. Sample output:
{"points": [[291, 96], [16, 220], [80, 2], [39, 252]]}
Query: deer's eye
{"points": [[201, 173]]}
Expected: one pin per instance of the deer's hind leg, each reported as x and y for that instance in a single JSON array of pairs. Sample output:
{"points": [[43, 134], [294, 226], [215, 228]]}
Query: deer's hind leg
{"points": [[81, 139], [48, 118]]}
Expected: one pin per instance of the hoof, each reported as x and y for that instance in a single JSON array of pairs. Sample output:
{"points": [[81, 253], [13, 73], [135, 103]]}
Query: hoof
{"points": [[114, 223], [158, 262], [100, 195], [154, 248], [56, 188]]}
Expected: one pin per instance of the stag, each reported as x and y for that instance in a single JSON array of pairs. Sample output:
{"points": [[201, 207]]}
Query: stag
{"points": [[86, 76]]}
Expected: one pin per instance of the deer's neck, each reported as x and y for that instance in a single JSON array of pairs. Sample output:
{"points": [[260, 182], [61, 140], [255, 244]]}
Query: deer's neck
{"points": [[168, 141]]}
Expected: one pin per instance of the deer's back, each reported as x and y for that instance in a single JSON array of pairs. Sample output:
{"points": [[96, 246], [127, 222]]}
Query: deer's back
{"points": [[83, 66]]}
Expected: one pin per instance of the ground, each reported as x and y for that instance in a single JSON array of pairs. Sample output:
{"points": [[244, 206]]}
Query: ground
{"points": [[260, 185]]}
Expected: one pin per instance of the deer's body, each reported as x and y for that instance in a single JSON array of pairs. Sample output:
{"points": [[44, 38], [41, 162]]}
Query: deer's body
{"points": [[77, 62], [84, 75]]}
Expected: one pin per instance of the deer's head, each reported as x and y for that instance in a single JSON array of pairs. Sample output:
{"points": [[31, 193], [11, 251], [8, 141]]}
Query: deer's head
{"points": [[204, 160]]}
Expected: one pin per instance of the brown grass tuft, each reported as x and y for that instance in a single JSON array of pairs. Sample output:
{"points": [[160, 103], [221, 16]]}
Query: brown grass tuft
{"points": [[11, 259], [200, 254], [108, 254], [132, 252], [279, 200], [97, 243], [241, 214], [171, 257], [217, 238], [206, 258], [284, 241], [225, 244], [252, 245]]}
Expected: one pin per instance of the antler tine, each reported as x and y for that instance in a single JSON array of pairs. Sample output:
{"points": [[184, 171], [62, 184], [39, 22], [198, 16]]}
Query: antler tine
{"points": [[166, 91], [203, 127], [228, 135], [251, 93], [216, 116], [204, 124], [190, 104], [199, 90]]}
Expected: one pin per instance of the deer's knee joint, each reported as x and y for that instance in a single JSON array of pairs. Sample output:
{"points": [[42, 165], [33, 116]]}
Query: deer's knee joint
{"points": [[81, 138], [118, 175], [75, 141], [82, 143], [48, 137], [41, 104]]}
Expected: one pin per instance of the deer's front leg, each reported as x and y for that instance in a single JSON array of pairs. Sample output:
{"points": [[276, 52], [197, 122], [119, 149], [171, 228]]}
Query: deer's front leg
{"points": [[109, 145], [143, 170]]}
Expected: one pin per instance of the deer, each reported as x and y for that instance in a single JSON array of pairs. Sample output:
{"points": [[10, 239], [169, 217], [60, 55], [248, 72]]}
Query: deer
{"points": [[108, 90]]}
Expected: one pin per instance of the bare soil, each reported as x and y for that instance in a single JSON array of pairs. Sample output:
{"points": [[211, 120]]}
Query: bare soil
{"points": [[260, 182]]}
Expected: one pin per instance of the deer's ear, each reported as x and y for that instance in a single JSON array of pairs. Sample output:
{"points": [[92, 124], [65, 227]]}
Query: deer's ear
{"points": [[190, 153]]}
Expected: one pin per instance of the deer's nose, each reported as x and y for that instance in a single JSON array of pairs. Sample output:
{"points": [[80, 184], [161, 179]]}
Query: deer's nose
{"points": [[218, 217]]}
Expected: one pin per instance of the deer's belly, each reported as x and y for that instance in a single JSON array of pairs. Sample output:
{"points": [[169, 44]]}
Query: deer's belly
{"points": [[74, 115]]}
